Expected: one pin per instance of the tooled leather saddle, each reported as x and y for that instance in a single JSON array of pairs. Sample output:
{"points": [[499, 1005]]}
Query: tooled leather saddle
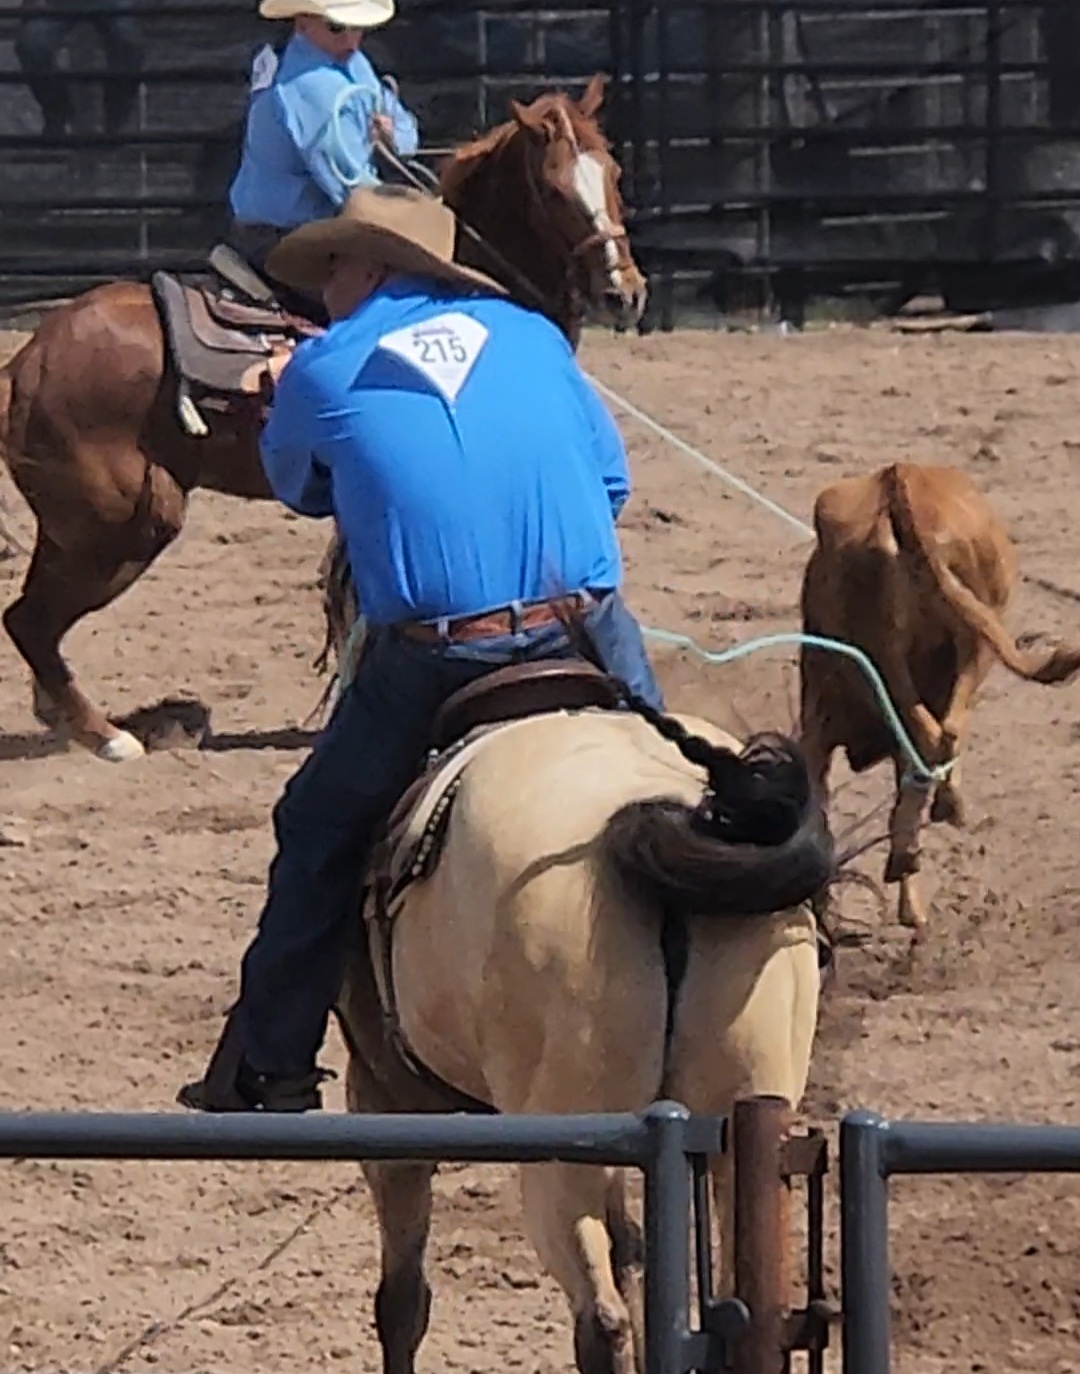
{"points": [[221, 326]]}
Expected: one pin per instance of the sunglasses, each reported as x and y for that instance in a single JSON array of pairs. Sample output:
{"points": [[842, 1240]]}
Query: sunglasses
{"points": [[338, 29]]}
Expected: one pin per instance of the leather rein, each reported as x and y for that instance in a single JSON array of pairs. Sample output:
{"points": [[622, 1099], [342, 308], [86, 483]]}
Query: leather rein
{"points": [[421, 178]]}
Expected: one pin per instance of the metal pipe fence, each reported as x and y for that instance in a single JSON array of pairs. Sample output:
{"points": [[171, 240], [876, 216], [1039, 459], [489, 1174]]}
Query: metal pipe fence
{"points": [[662, 1142], [687, 1327], [787, 142], [873, 1150]]}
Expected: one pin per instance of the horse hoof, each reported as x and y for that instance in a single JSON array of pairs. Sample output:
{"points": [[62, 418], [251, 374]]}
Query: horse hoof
{"points": [[899, 866], [122, 748]]}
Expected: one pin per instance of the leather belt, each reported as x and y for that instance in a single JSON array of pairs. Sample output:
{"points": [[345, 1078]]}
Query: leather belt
{"points": [[494, 624]]}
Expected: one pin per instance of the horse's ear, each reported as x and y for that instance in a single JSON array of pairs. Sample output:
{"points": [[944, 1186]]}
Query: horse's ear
{"points": [[525, 117], [593, 96]]}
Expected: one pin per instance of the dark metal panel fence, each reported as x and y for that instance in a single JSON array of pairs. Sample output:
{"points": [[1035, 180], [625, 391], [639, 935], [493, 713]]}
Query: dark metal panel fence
{"points": [[830, 142], [873, 1150], [137, 176], [805, 144], [662, 1142]]}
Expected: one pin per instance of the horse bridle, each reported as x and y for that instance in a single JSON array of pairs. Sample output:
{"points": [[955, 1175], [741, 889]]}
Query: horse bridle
{"points": [[605, 234], [421, 178]]}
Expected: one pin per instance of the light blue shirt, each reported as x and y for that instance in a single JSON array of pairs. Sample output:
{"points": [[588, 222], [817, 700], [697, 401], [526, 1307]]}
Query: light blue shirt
{"points": [[450, 502], [307, 142]]}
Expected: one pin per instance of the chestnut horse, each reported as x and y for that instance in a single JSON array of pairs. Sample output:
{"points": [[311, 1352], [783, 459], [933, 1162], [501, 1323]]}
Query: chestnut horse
{"points": [[88, 407]]}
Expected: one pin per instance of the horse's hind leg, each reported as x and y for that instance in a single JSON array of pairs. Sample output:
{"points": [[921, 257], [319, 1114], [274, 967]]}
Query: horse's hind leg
{"points": [[402, 1194], [627, 1260], [64, 584], [402, 1197], [566, 1212]]}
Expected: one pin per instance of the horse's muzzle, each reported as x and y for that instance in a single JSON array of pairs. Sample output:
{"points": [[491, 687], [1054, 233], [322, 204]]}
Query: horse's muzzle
{"points": [[626, 310]]}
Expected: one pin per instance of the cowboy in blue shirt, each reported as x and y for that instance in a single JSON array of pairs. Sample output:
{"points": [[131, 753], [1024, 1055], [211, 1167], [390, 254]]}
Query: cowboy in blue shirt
{"points": [[315, 113], [476, 476]]}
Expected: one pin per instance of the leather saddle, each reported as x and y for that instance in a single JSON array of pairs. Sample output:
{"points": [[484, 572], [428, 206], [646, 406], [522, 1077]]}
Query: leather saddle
{"points": [[524, 689], [415, 829], [411, 843], [221, 327]]}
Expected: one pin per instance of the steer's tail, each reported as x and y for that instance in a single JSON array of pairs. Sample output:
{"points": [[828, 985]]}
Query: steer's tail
{"points": [[1058, 665]]}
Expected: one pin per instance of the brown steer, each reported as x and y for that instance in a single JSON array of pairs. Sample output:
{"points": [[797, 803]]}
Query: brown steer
{"points": [[913, 567]]}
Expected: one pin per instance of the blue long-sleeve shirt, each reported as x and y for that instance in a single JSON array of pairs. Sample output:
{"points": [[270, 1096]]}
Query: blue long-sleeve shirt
{"points": [[469, 461], [307, 143]]}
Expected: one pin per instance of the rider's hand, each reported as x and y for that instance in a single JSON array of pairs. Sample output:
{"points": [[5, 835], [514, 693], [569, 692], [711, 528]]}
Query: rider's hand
{"points": [[277, 364], [261, 379], [382, 129]]}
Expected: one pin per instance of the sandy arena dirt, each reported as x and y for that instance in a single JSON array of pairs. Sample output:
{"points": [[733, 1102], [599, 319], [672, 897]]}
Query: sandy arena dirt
{"points": [[129, 893]]}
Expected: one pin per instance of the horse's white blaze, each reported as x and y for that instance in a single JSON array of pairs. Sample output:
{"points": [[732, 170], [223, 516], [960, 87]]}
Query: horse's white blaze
{"points": [[590, 187]]}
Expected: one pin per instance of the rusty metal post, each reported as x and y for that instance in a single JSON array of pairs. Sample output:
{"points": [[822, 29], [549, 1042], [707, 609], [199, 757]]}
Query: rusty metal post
{"points": [[760, 1127]]}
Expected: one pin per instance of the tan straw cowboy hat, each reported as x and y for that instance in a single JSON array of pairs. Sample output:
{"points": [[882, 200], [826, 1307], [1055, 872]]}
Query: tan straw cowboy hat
{"points": [[396, 227], [354, 14]]}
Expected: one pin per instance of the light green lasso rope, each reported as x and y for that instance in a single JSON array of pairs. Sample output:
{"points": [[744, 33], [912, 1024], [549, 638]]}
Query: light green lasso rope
{"points": [[916, 762], [350, 172]]}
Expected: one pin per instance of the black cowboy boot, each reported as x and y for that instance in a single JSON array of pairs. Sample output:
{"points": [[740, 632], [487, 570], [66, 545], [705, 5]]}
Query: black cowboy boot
{"points": [[231, 1085]]}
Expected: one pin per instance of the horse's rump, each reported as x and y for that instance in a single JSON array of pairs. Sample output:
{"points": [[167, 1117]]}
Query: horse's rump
{"points": [[514, 898]]}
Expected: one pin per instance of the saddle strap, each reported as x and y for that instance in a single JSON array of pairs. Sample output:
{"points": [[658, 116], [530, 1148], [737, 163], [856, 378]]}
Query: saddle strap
{"points": [[385, 895], [395, 867]]}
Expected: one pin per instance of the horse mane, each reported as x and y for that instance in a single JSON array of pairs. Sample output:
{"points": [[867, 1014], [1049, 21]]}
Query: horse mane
{"points": [[463, 162], [546, 111]]}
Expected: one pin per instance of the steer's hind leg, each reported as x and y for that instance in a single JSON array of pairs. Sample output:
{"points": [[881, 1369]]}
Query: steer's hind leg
{"points": [[903, 863], [976, 659]]}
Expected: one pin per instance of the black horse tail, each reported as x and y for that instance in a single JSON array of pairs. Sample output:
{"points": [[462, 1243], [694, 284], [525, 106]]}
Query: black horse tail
{"points": [[758, 842]]}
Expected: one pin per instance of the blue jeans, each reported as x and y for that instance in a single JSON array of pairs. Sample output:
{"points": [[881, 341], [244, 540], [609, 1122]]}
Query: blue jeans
{"points": [[330, 811]]}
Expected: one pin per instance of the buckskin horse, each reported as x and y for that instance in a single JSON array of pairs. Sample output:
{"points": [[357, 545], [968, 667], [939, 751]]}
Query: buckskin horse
{"points": [[542, 937], [132, 396]]}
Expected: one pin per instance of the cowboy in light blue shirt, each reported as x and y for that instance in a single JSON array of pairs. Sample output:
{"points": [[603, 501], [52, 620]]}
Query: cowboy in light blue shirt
{"points": [[476, 476], [313, 119]]}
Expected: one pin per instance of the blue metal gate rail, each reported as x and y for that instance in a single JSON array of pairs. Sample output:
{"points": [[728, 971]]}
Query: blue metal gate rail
{"points": [[873, 1150], [664, 1142]]}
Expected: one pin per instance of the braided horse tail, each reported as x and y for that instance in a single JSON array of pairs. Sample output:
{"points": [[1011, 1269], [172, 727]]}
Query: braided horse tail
{"points": [[757, 842]]}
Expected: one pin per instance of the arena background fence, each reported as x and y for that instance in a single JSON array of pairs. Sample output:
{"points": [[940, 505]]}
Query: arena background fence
{"points": [[774, 149]]}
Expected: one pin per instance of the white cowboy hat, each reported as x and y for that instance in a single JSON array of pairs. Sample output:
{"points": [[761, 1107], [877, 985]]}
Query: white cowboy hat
{"points": [[354, 14], [396, 227]]}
